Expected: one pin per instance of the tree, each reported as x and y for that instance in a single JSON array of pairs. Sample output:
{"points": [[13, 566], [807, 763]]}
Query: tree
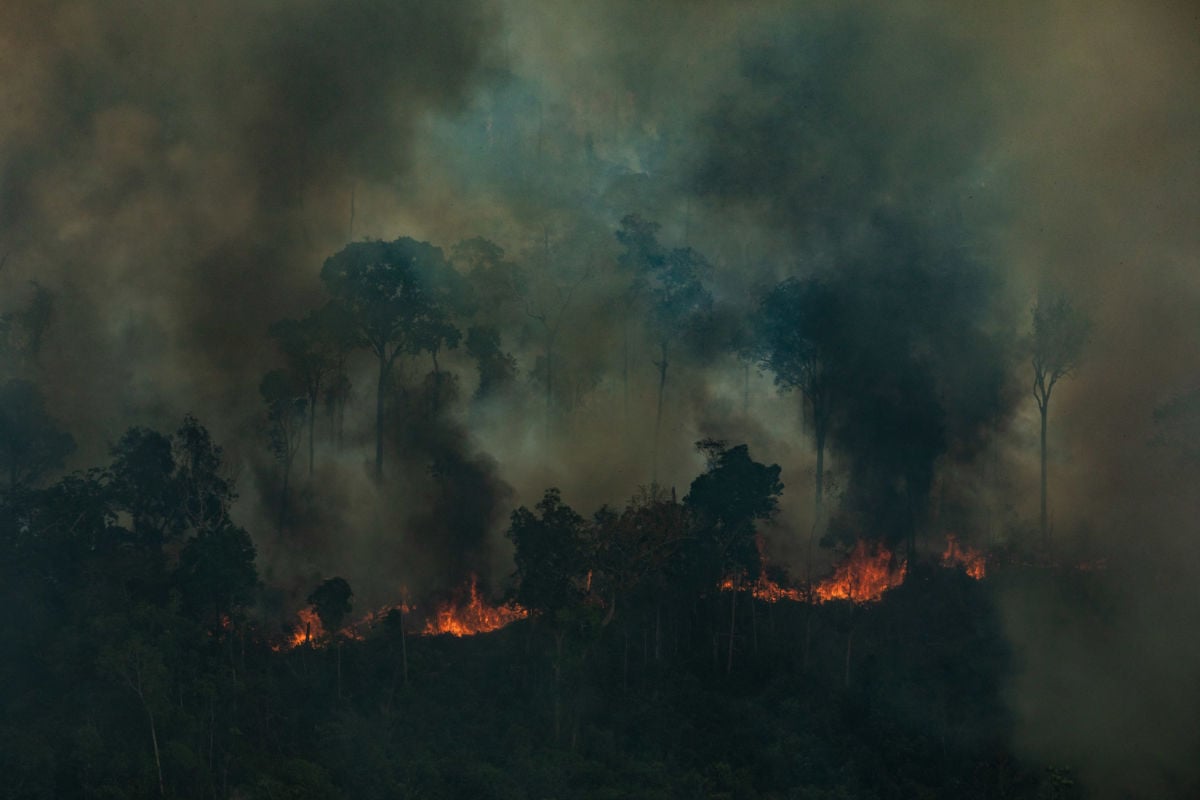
{"points": [[726, 500], [1060, 334], [670, 280], [331, 601], [797, 325], [31, 443], [384, 287], [287, 409], [547, 301], [497, 369], [549, 555], [315, 349], [217, 573]]}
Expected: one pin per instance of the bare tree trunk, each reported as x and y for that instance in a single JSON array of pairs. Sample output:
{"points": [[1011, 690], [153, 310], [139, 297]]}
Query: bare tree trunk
{"points": [[379, 417], [312, 419], [625, 367], [162, 792], [662, 383], [437, 383], [549, 381], [820, 478], [404, 645], [732, 622], [283, 498], [1043, 407], [746, 389]]}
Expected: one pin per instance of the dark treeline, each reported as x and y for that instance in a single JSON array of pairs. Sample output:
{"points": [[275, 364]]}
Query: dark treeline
{"points": [[140, 661]]}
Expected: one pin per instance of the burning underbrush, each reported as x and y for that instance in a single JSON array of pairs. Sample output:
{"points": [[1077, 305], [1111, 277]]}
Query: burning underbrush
{"points": [[465, 613], [864, 575]]}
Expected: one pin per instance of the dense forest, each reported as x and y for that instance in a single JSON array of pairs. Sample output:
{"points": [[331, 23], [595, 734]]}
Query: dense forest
{"points": [[532, 400]]}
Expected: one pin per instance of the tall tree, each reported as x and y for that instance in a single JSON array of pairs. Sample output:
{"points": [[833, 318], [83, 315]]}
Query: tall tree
{"points": [[383, 285], [549, 555], [797, 326], [287, 409], [1060, 334], [678, 301], [726, 500], [315, 348]]}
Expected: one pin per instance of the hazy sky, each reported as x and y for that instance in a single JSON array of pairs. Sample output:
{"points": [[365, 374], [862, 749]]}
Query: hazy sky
{"points": [[177, 173]]}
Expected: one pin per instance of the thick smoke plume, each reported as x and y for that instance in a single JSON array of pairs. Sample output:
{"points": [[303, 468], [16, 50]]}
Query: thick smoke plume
{"points": [[176, 174]]}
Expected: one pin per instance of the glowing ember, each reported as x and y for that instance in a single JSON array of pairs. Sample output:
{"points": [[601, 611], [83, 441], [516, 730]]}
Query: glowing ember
{"points": [[865, 575], [475, 616], [767, 590], [959, 555]]}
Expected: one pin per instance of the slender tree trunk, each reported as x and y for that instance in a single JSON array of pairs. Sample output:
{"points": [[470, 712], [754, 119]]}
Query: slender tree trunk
{"points": [[549, 381], [379, 417], [746, 389], [625, 367], [662, 384], [820, 478], [558, 641], [437, 383], [732, 623], [283, 498], [162, 792], [1043, 407], [312, 419]]}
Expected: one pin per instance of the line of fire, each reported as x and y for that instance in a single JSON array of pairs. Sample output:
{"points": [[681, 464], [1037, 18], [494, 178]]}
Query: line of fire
{"points": [[863, 576]]}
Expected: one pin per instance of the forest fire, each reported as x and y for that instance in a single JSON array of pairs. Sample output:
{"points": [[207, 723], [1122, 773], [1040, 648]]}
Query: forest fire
{"points": [[863, 576], [474, 616], [309, 629], [957, 554], [456, 618]]}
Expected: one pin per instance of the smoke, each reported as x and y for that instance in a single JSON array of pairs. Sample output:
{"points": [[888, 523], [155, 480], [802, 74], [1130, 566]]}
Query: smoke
{"points": [[176, 175]]}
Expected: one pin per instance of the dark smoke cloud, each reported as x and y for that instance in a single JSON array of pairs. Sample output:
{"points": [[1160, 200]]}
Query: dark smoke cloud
{"points": [[177, 173]]}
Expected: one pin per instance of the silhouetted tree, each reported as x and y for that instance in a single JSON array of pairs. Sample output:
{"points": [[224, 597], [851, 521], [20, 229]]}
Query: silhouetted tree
{"points": [[287, 409], [549, 555], [315, 349], [677, 300], [331, 601], [1060, 333], [497, 368], [796, 330], [384, 288], [727, 499], [217, 573]]}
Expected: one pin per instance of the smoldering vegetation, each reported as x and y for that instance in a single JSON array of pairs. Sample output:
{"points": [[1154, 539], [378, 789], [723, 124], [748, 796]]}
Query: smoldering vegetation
{"points": [[609, 195]]}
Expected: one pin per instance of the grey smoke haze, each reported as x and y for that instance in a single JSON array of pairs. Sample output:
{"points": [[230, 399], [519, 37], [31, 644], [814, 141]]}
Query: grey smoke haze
{"points": [[177, 173]]}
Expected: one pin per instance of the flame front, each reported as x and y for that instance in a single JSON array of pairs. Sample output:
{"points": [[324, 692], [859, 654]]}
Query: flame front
{"points": [[475, 616], [309, 629], [959, 555], [864, 576]]}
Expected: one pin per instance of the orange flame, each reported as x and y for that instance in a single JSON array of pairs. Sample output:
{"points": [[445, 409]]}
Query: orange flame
{"points": [[767, 590], [475, 616], [959, 555], [863, 576], [308, 630]]}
